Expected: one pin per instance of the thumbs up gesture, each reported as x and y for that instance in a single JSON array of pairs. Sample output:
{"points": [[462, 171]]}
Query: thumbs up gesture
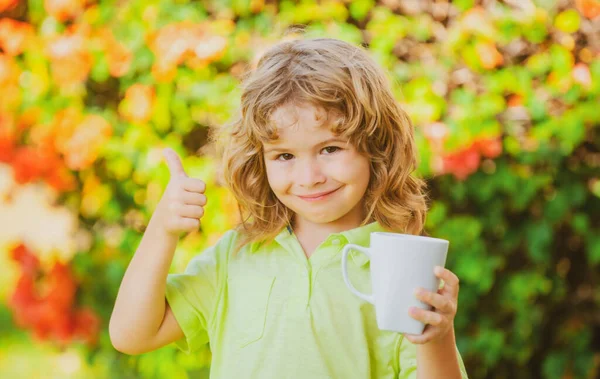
{"points": [[182, 204]]}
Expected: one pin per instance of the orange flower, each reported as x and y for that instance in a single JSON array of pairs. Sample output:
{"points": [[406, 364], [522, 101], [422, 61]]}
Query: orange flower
{"points": [[61, 179], [119, 57], [29, 117], [172, 42], [207, 50], [71, 61], [515, 100], [79, 138], [164, 72], [184, 41], [64, 10], [7, 137], [10, 90], [6, 5], [589, 8], [14, 36], [489, 56], [138, 103], [9, 71]]}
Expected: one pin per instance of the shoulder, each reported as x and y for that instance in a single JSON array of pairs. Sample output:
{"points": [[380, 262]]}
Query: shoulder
{"points": [[218, 250], [231, 244], [228, 239]]}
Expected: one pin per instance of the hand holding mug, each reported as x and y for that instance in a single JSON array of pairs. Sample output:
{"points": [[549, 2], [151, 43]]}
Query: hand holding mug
{"points": [[444, 303], [400, 263], [182, 204]]}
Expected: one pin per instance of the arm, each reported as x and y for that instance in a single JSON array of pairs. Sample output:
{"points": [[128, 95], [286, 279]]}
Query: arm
{"points": [[142, 320], [438, 359]]}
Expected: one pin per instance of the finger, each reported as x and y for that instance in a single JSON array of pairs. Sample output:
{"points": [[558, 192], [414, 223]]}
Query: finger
{"points": [[439, 302], [426, 317], [188, 223], [419, 339], [193, 198], [194, 185], [451, 281], [174, 162], [192, 211]]}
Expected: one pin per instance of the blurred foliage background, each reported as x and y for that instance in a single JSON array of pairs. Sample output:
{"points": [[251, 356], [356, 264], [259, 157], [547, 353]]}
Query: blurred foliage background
{"points": [[504, 96]]}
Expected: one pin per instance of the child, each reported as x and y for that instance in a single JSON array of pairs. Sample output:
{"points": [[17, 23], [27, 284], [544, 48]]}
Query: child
{"points": [[320, 156]]}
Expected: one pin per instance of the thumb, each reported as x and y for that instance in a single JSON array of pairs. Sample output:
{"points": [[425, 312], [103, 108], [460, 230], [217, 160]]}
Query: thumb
{"points": [[173, 162]]}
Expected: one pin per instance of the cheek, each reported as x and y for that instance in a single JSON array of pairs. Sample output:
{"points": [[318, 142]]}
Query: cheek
{"points": [[356, 170], [276, 176]]}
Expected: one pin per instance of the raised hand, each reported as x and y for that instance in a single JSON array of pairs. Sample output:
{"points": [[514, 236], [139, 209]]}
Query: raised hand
{"points": [[182, 204]]}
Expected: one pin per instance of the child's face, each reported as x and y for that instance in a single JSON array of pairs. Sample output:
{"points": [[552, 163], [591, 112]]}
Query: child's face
{"points": [[308, 160]]}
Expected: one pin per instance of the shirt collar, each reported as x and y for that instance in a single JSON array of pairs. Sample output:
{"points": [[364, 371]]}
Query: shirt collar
{"points": [[360, 235]]}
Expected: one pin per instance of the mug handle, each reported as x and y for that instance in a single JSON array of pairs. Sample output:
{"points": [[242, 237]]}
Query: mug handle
{"points": [[345, 252]]}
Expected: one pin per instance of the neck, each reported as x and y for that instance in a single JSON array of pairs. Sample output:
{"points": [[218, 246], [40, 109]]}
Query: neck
{"points": [[320, 231]]}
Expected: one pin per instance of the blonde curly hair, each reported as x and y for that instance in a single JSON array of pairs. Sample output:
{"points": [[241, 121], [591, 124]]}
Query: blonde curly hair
{"points": [[342, 79]]}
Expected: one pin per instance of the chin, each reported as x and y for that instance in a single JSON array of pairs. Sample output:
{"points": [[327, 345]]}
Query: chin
{"points": [[320, 218]]}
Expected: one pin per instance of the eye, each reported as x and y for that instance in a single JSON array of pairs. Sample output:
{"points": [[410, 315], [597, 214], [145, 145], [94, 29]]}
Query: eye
{"points": [[284, 157], [331, 149]]}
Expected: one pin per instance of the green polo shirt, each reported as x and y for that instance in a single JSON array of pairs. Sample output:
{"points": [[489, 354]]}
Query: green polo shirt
{"points": [[269, 312]]}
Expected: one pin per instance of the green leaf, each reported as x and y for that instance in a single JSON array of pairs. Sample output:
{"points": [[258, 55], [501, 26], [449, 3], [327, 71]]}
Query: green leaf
{"points": [[593, 249], [562, 59], [581, 223], [555, 364], [556, 208], [359, 9], [568, 21], [161, 116], [538, 238], [539, 63], [436, 214], [463, 5]]}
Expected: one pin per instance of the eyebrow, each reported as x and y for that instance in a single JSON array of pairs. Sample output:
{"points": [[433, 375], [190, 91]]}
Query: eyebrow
{"points": [[328, 141]]}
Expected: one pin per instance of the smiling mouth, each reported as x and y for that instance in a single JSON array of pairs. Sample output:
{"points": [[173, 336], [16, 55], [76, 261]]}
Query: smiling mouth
{"points": [[318, 196]]}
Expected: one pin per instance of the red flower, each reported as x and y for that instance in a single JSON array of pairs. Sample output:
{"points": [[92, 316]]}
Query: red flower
{"points": [[87, 325], [489, 147], [29, 263], [462, 164], [6, 5], [44, 302], [7, 148], [466, 162], [30, 164]]}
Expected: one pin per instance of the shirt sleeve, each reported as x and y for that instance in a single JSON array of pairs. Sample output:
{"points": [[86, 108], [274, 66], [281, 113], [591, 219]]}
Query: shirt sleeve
{"points": [[408, 361], [194, 294]]}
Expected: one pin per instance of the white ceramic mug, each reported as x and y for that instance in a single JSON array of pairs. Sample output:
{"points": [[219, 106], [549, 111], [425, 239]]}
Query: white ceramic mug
{"points": [[399, 264]]}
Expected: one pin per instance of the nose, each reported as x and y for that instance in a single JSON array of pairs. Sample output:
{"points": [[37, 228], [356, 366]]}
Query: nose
{"points": [[309, 173]]}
